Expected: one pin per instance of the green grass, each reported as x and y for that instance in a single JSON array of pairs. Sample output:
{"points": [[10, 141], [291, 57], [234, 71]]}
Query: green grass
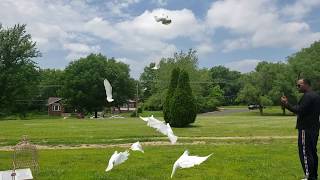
{"points": [[106, 131], [232, 159], [277, 159]]}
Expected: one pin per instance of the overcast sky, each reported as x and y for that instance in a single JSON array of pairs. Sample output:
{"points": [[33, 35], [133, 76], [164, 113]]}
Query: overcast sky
{"points": [[234, 33]]}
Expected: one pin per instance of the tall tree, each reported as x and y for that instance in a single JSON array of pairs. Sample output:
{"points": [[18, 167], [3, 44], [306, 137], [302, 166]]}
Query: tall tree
{"points": [[228, 81], [83, 83], [183, 109], [18, 72], [170, 93], [306, 64], [184, 60], [266, 85], [50, 83], [147, 80]]}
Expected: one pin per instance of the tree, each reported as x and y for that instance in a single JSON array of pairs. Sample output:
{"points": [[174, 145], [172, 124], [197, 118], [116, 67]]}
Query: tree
{"points": [[266, 85], [252, 92], [211, 101], [228, 82], [147, 79], [183, 109], [161, 78], [83, 83], [170, 93], [306, 64], [18, 72], [50, 83]]}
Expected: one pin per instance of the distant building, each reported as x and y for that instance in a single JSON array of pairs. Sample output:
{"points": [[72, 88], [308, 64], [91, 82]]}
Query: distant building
{"points": [[131, 105], [55, 107]]}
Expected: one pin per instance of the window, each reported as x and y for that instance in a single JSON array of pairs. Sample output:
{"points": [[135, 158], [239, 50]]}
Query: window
{"points": [[56, 108]]}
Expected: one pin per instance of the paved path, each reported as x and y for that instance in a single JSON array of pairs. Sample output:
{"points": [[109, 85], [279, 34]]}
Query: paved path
{"points": [[225, 112]]}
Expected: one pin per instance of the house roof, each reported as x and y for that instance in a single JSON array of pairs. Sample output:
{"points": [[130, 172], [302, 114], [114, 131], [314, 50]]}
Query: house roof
{"points": [[52, 100]]}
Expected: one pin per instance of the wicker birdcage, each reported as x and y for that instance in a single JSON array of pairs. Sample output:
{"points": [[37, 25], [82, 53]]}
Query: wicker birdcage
{"points": [[25, 155]]}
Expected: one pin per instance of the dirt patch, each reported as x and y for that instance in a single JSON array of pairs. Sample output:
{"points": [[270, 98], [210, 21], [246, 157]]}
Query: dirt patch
{"points": [[157, 142]]}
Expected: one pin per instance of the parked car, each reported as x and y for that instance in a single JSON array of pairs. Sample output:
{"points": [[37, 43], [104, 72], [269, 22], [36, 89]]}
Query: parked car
{"points": [[254, 106]]}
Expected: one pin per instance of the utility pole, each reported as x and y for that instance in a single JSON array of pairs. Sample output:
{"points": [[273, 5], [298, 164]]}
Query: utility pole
{"points": [[137, 99]]}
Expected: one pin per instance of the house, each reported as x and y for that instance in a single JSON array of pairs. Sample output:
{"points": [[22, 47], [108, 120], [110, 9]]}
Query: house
{"points": [[126, 107], [55, 107]]}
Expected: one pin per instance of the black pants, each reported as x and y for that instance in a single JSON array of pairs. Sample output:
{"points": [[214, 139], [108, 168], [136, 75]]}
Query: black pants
{"points": [[307, 144]]}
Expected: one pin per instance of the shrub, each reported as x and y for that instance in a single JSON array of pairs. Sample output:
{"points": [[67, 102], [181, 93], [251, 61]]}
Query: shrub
{"points": [[172, 87], [183, 110]]}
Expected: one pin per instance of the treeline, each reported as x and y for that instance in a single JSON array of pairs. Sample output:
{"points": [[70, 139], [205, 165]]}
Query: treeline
{"points": [[219, 85], [25, 87]]}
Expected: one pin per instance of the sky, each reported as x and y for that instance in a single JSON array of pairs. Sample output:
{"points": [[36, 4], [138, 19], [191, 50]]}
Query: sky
{"points": [[237, 34]]}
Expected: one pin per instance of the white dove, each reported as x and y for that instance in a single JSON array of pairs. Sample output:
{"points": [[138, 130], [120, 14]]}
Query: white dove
{"points": [[136, 147], [155, 67], [144, 118], [163, 20], [186, 161], [161, 127], [108, 89], [117, 158]]}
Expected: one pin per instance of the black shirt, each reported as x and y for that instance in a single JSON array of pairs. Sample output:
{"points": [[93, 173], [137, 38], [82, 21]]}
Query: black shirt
{"points": [[307, 110]]}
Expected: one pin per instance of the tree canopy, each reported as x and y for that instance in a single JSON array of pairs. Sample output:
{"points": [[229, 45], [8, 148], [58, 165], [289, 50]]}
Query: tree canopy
{"points": [[18, 72], [83, 83]]}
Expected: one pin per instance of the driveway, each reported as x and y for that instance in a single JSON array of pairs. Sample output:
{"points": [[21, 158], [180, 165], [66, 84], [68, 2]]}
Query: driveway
{"points": [[223, 111]]}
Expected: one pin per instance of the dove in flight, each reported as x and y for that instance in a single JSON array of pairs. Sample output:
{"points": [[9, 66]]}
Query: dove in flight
{"points": [[186, 161], [163, 20], [108, 89], [117, 158], [161, 127]]}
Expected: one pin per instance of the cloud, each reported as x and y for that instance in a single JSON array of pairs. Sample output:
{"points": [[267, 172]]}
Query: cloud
{"points": [[119, 7], [244, 66], [257, 24], [235, 44], [71, 29], [300, 8], [49, 24], [144, 36], [204, 48], [160, 2], [78, 50]]}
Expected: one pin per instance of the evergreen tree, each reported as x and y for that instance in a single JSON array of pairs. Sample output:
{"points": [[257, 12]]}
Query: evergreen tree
{"points": [[172, 87], [183, 108]]}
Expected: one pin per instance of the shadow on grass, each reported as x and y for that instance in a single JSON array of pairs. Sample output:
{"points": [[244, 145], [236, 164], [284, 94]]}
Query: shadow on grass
{"points": [[189, 126]]}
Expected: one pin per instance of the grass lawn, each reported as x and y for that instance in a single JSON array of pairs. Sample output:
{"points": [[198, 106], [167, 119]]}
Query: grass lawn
{"points": [[232, 158], [277, 159], [110, 131]]}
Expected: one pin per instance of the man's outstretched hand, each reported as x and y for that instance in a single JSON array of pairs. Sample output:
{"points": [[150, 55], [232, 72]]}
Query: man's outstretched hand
{"points": [[284, 100]]}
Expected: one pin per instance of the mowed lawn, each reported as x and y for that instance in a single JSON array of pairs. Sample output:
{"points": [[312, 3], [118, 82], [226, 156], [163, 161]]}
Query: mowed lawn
{"points": [[231, 159], [122, 130]]}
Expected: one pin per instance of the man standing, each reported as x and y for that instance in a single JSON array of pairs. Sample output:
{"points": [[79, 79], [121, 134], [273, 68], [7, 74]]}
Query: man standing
{"points": [[307, 111]]}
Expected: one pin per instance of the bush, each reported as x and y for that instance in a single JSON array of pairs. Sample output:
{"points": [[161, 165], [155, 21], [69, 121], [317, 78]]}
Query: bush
{"points": [[153, 103], [206, 104], [183, 110], [172, 87], [134, 114]]}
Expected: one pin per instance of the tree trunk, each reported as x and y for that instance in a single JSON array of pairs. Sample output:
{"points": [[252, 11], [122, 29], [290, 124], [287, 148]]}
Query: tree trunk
{"points": [[283, 110], [95, 114], [261, 110]]}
